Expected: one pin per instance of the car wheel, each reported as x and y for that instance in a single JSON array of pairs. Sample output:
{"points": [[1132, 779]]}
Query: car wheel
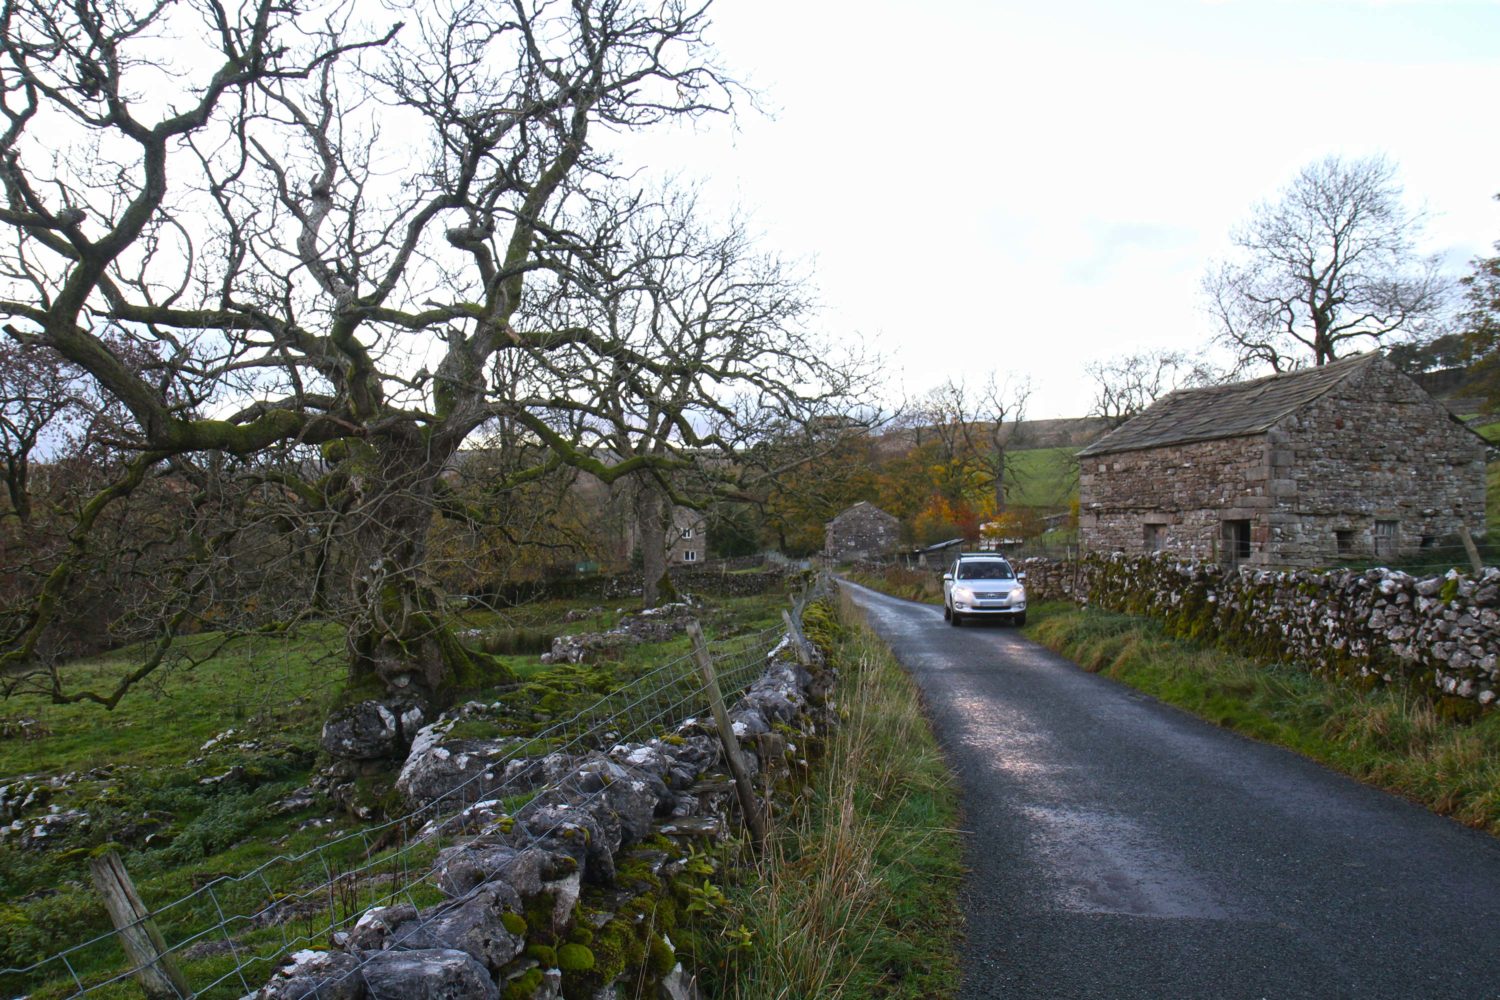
{"points": [[1020, 619], [947, 613], [955, 619]]}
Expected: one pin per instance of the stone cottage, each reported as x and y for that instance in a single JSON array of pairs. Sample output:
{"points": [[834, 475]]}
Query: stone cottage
{"points": [[1349, 461], [864, 531], [687, 539]]}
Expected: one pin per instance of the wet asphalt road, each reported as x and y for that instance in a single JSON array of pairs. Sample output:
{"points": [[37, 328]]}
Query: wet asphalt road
{"points": [[1121, 848]]}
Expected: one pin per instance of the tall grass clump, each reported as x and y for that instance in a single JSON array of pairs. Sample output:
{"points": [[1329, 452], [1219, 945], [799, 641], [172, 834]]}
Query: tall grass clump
{"points": [[1393, 737], [857, 895]]}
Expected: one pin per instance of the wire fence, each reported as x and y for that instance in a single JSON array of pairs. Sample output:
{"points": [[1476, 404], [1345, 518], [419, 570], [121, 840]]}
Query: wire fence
{"points": [[230, 933]]}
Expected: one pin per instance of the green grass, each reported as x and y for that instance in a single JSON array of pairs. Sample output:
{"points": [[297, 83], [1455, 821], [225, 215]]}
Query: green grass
{"points": [[176, 834], [1042, 477], [1492, 499], [859, 896], [268, 684], [925, 585], [1390, 737]]}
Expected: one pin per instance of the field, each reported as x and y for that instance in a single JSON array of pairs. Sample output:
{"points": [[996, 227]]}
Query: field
{"points": [[194, 778], [1042, 477]]}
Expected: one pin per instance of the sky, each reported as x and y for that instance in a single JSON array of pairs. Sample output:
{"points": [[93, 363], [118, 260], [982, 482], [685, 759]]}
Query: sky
{"points": [[1022, 187]]}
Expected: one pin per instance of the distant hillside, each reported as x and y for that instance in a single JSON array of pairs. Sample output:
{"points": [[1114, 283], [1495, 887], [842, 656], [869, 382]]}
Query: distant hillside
{"points": [[1454, 387], [1063, 432]]}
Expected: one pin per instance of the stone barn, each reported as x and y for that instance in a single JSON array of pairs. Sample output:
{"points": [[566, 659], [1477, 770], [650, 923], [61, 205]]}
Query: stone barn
{"points": [[864, 531], [1350, 461]]}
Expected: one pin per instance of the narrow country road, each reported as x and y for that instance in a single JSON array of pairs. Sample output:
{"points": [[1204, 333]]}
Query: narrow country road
{"points": [[1121, 848]]}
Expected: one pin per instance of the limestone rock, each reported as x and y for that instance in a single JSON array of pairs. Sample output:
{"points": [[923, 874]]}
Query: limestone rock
{"points": [[433, 974], [371, 730], [473, 924], [316, 975]]}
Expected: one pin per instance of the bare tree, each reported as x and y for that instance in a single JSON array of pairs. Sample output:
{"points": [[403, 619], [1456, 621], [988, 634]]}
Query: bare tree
{"points": [[1332, 262], [979, 427], [327, 234], [714, 358], [36, 399], [1127, 384]]}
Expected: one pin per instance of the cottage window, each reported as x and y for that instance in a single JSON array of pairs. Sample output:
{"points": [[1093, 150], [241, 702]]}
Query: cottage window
{"points": [[690, 556], [1152, 537], [1344, 539], [687, 532]]}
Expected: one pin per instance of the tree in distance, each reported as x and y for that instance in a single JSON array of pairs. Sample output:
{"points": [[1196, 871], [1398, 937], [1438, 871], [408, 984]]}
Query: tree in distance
{"points": [[718, 388], [1330, 265], [1127, 384]]}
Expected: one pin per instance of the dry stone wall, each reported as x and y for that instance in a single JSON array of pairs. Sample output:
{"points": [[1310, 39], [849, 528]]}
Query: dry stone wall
{"points": [[1377, 625], [570, 896]]}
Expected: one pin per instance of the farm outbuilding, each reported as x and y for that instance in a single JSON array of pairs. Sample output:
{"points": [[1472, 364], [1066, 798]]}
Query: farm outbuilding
{"points": [[863, 531], [1349, 461]]}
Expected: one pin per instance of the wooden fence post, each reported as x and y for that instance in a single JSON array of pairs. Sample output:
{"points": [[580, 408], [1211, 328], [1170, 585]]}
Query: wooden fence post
{"points": [[749, 805], [794, 629], [1471, 549], [158, 975]]}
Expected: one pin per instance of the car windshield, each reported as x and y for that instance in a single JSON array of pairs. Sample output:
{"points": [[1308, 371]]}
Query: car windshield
{"points": [[987, 569]]}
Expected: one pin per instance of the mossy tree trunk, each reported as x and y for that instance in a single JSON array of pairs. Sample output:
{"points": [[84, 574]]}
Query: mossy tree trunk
{"points": [[398, 629], [652, 511]]}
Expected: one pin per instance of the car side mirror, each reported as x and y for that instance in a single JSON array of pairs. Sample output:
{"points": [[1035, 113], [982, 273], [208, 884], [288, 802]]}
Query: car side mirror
{"points": [[947, 577]]}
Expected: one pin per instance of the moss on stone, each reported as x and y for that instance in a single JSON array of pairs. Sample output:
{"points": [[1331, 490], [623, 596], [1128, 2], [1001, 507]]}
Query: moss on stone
{"points": [[525, 986], [662, 958], [574, 958]]}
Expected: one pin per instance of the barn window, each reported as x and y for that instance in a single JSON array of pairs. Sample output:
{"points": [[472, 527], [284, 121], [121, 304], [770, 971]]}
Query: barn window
{"points": [[1344, 538], [1385, 538], [1235, 536]]}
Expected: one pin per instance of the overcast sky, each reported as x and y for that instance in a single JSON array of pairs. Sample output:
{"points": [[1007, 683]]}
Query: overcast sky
{"points": [[1025, 186]]}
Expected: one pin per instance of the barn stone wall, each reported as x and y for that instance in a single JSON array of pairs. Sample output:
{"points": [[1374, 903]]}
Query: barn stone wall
{"points": [[1185, 490], [864, 531], [1375, 468], [1374, 449]]}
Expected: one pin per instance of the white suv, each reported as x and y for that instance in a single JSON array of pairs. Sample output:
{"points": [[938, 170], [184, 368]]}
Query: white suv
{"points": [[983, 585]]}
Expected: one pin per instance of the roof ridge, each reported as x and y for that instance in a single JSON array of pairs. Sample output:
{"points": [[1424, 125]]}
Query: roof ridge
{"points": [[1234, 409]]}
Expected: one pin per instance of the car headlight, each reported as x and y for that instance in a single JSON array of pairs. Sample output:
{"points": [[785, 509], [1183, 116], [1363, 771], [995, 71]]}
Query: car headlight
{"points": [[1018, 595], [963, 594]]}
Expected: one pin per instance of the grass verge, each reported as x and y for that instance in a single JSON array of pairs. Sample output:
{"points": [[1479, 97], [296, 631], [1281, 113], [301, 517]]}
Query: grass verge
{"points": [[1389, 737], [925, 585], [858, 895]]}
